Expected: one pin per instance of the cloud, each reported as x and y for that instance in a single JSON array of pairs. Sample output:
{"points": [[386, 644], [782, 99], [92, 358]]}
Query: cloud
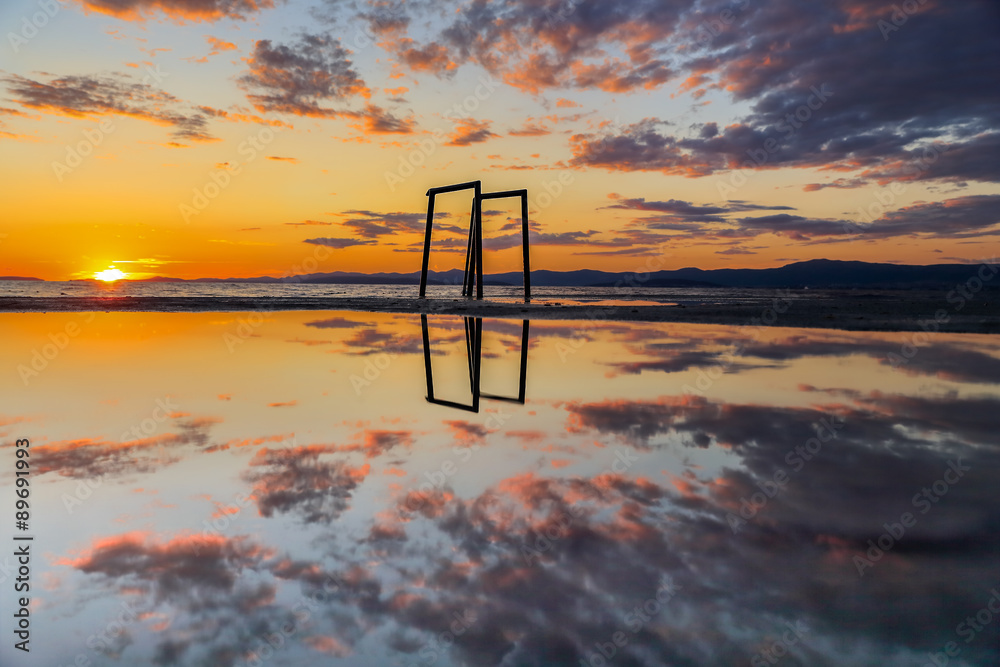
{"points": [[679, 210], [81, 96], [180, 11], [369, 341], [371, 224], [972, 216], [377, 120], [545, 569], [296, 78], [823, 94], [530, 129], [295, 481], [541, 556], [377, 442], [336, 323], [219, 45], [639, 147], [514, 240], [89, 458], [470, 131], [218, 593], [536, 46], [338, 243], [292, 160]]}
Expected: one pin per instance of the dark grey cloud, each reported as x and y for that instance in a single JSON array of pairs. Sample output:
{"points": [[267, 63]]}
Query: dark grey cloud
{"points": [[296, 78], [470, 131], [540, 45], [371, 224], [305, 77], [83, 96], [297, 481], [93, 458], [826, 89], [338, 243], [972, 216]]}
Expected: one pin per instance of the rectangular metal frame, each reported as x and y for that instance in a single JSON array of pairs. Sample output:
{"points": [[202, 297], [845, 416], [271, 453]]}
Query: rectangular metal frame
{"points": [[523, 195], [475, 233], [474, 250]]}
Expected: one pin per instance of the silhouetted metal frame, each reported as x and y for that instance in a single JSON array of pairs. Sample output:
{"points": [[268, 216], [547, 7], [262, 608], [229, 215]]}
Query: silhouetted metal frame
{"points": [[474, 250], [523, 195], [474, 352], [473, 342], [522, 377], [475, 234]]}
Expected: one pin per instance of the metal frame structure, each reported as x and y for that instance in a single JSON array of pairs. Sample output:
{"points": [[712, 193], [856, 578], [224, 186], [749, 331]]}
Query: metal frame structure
{"points": [[474, 251], [474, 349]]}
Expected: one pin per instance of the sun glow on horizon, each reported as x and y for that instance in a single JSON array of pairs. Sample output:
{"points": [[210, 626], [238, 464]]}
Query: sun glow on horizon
{"points": [[110, 275]]}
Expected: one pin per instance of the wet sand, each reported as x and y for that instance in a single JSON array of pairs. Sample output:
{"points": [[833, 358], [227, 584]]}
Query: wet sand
{"points": [[859, 310]]}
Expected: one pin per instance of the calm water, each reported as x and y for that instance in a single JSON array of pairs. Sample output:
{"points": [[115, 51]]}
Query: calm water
{"points": [[247, 489], [15, 288]]}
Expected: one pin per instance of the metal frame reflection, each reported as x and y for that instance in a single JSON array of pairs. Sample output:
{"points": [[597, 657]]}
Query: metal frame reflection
{"points": [[474, 352]]}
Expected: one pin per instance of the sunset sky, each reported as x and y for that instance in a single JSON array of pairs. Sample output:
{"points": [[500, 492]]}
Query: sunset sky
{"points": [[238, 138]]}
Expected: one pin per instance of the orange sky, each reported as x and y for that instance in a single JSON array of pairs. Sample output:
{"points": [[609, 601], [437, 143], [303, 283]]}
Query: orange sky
{"points": [[273, 139]]}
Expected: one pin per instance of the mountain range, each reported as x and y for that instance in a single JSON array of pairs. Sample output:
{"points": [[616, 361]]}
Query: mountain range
{"points": [[817, 273]]}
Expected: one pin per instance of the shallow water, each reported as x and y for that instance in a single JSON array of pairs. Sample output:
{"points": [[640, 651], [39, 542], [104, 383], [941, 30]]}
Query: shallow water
{"points": [[501, 293], [243, 489]]}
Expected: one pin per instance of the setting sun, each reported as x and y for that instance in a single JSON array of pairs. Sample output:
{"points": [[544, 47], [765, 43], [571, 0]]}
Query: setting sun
{"points": [[110, 275]]}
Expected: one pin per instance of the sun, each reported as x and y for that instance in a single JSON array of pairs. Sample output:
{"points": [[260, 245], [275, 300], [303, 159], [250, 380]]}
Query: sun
{"points": [[110, 275]]}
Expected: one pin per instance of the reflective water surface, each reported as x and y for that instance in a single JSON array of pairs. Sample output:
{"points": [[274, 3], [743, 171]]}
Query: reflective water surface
{"points": [[306, 488]]}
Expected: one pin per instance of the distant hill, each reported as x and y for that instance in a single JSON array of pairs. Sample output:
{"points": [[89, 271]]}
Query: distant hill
{"points": [[817, 273], [19, 278]]}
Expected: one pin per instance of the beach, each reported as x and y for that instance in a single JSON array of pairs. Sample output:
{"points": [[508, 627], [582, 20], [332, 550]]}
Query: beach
{"points": [[855, 310]]}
